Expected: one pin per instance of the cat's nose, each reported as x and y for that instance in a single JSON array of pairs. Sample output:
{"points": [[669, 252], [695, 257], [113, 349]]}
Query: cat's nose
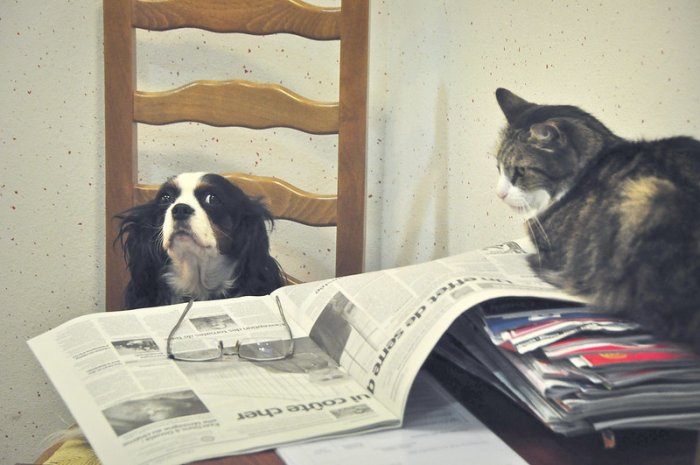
{"points": [[502, 194]]}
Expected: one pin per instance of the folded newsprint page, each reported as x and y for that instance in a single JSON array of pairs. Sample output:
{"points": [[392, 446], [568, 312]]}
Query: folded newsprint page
{"points": [[436, 429], [359, 343]]}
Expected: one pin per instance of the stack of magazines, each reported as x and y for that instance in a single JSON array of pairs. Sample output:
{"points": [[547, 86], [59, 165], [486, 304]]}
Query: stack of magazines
{"points": [[578, 369]]}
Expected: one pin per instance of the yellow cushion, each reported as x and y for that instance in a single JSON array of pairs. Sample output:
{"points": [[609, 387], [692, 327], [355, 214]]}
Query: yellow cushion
{"points": [[71, 452]]}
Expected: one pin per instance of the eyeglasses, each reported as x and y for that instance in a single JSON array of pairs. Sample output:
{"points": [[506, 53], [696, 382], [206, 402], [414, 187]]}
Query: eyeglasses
{"points": [[258, 349]]}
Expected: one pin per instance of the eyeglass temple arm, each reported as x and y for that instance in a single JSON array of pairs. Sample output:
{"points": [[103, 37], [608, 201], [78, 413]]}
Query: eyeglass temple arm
{"points": [[168, 343]]}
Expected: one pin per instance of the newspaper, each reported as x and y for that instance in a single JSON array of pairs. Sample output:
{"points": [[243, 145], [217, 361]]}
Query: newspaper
{"points": [[436, 429], [359, 344]]}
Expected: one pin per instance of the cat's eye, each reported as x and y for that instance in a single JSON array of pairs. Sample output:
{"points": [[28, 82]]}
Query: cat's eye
{"points": [[211, 199], [518, 172]]}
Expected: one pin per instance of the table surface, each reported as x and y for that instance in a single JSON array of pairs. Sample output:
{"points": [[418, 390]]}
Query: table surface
{"points": [[532, 440]]}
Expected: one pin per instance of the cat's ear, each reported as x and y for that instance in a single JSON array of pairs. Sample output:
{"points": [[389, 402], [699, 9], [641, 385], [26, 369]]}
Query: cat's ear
{"points": [[547, 135], [511, 104]]}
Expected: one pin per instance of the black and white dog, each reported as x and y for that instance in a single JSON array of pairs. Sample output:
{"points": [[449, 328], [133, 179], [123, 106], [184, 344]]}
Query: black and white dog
{"points": [[201, 238]]}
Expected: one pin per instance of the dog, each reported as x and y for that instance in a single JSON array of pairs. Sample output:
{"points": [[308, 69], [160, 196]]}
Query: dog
{"points": [[200, 238]]}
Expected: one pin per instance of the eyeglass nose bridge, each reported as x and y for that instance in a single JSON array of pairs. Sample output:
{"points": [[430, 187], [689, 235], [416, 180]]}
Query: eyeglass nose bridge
{"points": [[229, 350]]}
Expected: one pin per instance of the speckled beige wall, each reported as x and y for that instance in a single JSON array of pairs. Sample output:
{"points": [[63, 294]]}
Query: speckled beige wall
{"points": [[51, 188], [433, 123], [434, 119]]}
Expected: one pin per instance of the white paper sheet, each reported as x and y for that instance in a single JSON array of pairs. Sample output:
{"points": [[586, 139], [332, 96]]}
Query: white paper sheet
{"points": [[437, 429]]}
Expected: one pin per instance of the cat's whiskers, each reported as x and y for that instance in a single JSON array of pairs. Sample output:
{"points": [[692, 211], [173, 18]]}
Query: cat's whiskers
{"points": [[534, 243], [534, 220], [536, 229]]}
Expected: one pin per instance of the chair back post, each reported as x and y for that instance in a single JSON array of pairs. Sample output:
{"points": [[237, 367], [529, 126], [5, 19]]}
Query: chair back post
{"points": [[120, 137], [352, 137]]}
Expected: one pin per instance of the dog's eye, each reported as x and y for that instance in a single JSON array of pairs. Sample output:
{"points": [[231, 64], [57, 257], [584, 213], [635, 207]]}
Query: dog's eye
{"points": [[165, 198], [211, 199]]}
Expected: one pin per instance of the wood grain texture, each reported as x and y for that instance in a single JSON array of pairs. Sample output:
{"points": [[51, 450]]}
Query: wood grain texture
{"points": [[284, 200], [236, 103], [247, 16], [352, 138], [120, 137], [267, 457]]}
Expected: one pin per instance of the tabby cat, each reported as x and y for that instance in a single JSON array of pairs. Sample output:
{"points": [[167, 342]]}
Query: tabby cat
{"points": [[614, 221]]}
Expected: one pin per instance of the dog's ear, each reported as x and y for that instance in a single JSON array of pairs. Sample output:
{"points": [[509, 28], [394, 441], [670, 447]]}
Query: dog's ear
{"points": [[141, 241], [258, 273]]}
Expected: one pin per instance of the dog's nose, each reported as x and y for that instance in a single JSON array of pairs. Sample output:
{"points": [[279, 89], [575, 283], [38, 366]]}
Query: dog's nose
{"points": [[182, 211]]}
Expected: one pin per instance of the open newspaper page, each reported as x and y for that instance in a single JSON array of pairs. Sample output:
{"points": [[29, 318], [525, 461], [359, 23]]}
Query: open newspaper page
{"points": [[137, 406], [359, 343], [437, 428], [381, 326]]}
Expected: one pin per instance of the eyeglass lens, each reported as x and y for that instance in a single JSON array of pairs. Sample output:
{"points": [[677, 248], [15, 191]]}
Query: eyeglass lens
{"points": [[251, 349], [266, 350]]}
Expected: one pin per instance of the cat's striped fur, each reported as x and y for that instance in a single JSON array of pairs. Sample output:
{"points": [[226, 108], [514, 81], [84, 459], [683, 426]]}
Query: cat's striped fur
{"points": [[615, 221]]}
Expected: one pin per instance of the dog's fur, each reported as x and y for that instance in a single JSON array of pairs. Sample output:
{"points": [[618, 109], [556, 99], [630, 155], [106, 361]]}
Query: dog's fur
{"points": [[201, 238]]}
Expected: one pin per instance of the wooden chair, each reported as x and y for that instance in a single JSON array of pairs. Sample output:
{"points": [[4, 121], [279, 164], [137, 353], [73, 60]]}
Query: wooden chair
{"points": [[242, 104]]}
